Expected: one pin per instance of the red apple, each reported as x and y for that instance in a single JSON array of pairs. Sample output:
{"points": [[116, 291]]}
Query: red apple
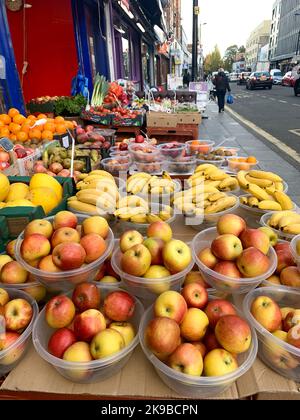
{"points": [[290, 276], [267, 312], [194, 325], [228, 269], [60, 341], [40, 226], [8, 339], [129, 239], [69, 256], [86, 296], [13, 273], [253, 263], [64, 235], [59, 312], [257, 239], [155, 246], [233, 333], [65, 219], [231, 224], [210, 341], [171, 305], [284, 259], [227, 247], [291, 320], [195, 295], [187, 359], [17, 314], [196, 277], [94, 246], [160, 230], [47, 264], [119, 306], [293, 336], [218, 308], [201, 347], [34, 247], [162, 336], [136, 261], [207, 258], [88, 324]]}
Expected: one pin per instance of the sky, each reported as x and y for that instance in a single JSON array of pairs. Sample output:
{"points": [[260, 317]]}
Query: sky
{"points": [[228, 22]]}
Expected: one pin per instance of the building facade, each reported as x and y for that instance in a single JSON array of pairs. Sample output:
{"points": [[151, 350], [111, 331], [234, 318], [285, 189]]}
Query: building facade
{"points": [[258, 38], [276, 14], [284, 56]]}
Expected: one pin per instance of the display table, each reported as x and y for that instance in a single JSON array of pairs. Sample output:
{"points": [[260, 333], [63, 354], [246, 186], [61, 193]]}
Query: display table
{"points": [[33, 378]]}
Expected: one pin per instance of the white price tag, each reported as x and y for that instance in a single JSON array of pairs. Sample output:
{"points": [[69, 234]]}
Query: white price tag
{"points": [[66, 142]]}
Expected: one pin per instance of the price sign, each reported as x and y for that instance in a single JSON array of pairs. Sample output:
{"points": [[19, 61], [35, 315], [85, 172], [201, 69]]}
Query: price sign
{"points": [[65, 142], [6, 144]]}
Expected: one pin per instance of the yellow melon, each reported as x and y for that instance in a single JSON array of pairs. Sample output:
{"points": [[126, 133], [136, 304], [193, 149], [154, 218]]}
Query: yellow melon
{"points": [[20, 203], [46, 181], [4, 187], [17, 191], [44, 197]]}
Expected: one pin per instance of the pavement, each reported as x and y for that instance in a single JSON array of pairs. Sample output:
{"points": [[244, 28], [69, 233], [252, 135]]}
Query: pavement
{"points": [[276, 111], [221, 127]]}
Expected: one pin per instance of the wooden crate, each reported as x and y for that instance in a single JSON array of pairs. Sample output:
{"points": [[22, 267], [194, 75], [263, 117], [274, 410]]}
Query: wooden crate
{"points": [[182, 133]]}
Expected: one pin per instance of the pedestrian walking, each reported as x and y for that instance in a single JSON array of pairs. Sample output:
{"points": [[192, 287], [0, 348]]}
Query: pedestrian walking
{"points": [[222, 86]]}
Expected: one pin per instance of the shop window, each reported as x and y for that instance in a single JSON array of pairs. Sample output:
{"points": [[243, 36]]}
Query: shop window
{"points": [[146, 64], [126, 57]]}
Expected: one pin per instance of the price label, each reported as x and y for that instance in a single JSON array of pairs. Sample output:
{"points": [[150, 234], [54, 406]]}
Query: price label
{"points": [[65, 142], [6, 144]]}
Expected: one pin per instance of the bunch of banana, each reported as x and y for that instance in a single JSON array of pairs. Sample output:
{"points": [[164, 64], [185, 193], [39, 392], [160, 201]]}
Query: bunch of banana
{"points": [[212, 175], [268, 201], [210, 201], [145, 184], [286, 221], [267, 181], [97, 194]]}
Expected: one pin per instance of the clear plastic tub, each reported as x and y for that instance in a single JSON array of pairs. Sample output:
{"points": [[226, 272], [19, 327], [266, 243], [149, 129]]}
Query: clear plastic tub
{"points": [[285, 188], [116, 165], [280, 356], [88, 372], [120, 154], [153, 168], [294, 250], [148, 289], [163, 198], [211, 220], [253, 215], [10, 357], [144, 153], [195, 147], [240, 166], [175, 153], [233, 150], [226, 284], [281, 235], [193, 386], [66, 280], [217, 163], [184, 166], [33, 289]]}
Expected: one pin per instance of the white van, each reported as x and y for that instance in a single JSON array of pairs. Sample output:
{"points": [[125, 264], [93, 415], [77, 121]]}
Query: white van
{"points": [[277, 76]]}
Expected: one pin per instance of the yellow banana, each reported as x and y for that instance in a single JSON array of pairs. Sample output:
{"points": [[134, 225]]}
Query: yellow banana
{"points": [[167, 176], [196, 181], [152, 218], [211, 183], [221, 205], [271, 190], [279, 186], [133, 201], [216, 197], [165, 215], [228, 184], [218, 176], [241, 177], [266, 175], [288, 220], [244, 200], [204, 167], [292, 229], [138, 187], [253, 202], [276, 217], [139, 218], [80, 207], [103, 173], [284, 200], [74, 198], [92, 178], [258, 192], [263, 183], [269, 205]]}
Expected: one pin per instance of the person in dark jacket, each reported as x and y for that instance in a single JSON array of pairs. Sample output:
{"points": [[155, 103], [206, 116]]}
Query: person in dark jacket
{"points": [[222, 86]]}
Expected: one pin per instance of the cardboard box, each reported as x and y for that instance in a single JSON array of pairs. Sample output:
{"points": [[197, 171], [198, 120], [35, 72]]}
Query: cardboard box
{"points": [[189, 118], [160, 119]]}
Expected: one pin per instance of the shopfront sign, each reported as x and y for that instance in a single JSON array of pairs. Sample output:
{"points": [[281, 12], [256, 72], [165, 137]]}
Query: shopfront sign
{"points": [[163, 48]]}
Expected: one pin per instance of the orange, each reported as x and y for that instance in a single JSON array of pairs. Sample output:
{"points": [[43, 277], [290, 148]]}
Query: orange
{"points": [[69, 125], [47, 135], [13, 137], [242, 159], [19, 119], [35, 134], [31, 118], [42, 116], [5, 119], [13, 112], [244, 167], [4, 132], [60, 129], [49, 126], [39, 127], [26, 127], [22, 136], [252, 159], [14, 128], [50, 120], [2, 124], [59, 120]]}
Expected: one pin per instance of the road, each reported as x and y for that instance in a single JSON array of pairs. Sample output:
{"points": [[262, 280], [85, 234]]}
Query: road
{"points": [[276, 111]]}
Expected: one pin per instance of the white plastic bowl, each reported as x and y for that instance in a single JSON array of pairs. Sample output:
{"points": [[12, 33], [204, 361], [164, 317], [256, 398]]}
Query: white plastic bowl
{"points": [[193, 386], [148, 289], [217, 163], [10, 357], [172, 154], [139, 155], [87, 372], [66, 280], [185, 165], [274, 352], [282, 235], [223, 283], [240, 166], [204, 146], [116, 165]]}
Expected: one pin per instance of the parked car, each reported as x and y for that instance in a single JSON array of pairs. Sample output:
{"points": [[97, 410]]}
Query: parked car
{"points": [[243, 77], [261, 79], [277, 76], [297, 87], [288, 79], [233, 77]]}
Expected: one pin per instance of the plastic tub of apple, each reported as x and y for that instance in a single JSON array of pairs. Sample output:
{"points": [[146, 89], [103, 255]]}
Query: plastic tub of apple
{"points": [[20, 313], [188, 381], [205, 258], [55, 276], [142, 274], [274, 313], [98, 347]]}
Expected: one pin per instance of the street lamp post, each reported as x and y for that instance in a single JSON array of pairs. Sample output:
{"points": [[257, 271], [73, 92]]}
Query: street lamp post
{"points": [[201, 49], [298, 40], [196, 13]]}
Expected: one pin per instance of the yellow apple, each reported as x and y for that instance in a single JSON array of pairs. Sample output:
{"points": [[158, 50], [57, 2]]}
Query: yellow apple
{"points": [[107, 343], [109, 279], [157, 272], [125, 329], [219, 362], [194, 325], [4, 297], [4, 259]]}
